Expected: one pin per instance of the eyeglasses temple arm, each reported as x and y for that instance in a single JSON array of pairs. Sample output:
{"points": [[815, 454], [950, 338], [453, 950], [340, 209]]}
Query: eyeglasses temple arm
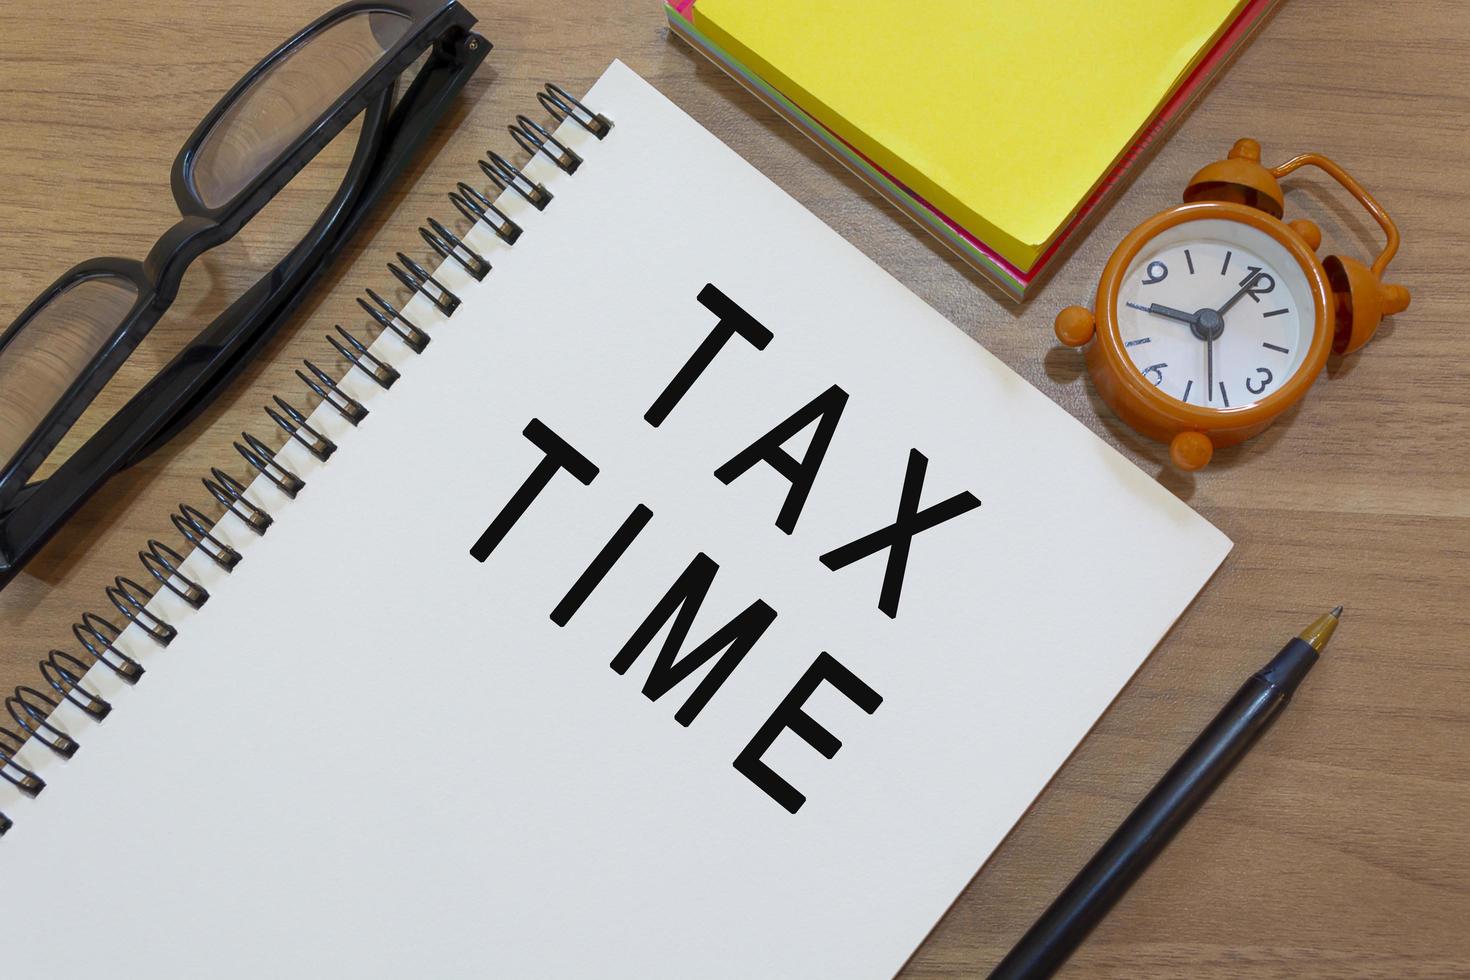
{"points": [[427, 99]]}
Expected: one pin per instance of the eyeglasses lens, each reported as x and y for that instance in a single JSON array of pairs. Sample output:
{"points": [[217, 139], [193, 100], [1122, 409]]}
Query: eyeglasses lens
{"points": [[279, 105], [52, 349]]}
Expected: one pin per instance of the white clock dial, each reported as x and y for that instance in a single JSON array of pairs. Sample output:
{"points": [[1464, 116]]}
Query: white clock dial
{"points": [[1216, 313]]}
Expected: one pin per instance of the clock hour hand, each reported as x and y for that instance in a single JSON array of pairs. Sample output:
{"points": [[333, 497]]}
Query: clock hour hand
{"points": [[1165, 311]]}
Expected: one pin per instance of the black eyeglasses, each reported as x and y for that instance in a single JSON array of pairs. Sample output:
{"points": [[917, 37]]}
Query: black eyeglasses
{"points": [[67, 344]]}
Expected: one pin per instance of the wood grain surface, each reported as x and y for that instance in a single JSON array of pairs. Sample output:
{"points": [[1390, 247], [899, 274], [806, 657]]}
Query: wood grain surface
{"points": [[1341, 847]]}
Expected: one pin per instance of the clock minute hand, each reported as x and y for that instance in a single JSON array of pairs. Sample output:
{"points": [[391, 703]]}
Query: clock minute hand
{"points": [[1165, 311], [1249, 284]]}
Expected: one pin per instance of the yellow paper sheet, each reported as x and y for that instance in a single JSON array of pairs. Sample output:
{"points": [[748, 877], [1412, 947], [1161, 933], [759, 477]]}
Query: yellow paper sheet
{"points": [[1004, 114]]}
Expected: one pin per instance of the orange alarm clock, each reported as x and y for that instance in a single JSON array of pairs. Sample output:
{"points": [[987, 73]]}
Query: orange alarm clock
{"points": [[1214, 317]]}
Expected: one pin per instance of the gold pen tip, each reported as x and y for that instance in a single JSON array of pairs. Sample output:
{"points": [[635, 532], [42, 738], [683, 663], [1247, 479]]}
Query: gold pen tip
{"points": [[1322, 629]]}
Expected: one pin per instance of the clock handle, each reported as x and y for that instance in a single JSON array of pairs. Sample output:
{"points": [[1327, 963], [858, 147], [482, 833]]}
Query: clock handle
{"points": [[1358, 191], [1361, 299]]}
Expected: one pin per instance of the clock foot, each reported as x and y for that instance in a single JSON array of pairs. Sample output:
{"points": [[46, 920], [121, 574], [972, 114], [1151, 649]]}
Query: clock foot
{"points": [[1191, 450], [1075, 326]]}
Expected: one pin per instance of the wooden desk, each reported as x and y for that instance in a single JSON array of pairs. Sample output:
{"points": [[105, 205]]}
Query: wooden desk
{"points": [[1342, 846]]}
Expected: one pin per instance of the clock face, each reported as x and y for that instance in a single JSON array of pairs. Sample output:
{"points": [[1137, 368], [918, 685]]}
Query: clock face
{"points": [[1216, 313]]}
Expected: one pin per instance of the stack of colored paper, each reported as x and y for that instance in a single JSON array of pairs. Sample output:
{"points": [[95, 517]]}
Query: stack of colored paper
{"points": [[999, 125]]}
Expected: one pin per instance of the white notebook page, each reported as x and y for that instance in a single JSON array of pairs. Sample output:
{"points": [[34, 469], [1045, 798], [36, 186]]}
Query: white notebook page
{"points": [[371, 755]]}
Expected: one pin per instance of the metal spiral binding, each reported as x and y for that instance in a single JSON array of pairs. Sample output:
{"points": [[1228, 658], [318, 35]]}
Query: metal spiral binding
{"points": [[420, 280], [131, 599], [98, 637], [32, 720], [195, 528], [533, 138], [388, 317], [13, 772], [64, 673], [30, 708], [327, 389], [259, 455], [562, 105], [165, 564], [506, 177], [363, 359], [451, 246], [301, 430], [476, 207], [231, 493]]}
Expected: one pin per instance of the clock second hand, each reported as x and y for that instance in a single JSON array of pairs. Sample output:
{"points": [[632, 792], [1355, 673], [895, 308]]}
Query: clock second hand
{"points": [[1210, 370]]}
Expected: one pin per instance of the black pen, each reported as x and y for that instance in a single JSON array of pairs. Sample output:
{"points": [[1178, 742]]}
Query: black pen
{"points": [[1171, 802]]}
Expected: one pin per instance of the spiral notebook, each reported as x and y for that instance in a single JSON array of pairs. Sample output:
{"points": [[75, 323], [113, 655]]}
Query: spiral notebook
{"points": [[696, 603]]}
